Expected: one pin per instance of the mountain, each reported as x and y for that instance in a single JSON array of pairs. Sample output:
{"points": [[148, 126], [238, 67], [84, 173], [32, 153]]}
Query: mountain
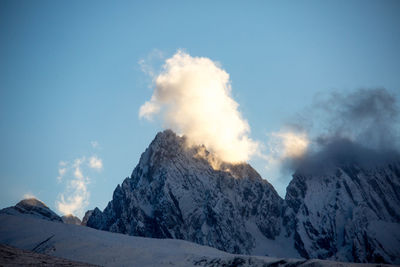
{"points": [[349, 213], [175, 192], [182, 192], [63, 243], [71, 219], [34, 208], [86, 217]]}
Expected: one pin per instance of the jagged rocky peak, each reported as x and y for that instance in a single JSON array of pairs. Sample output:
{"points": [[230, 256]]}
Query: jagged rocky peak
{"points": [[177, 191], [347, 213], [86, 217], [71, 219], [168, 146], [95, 216], [32, 207]]}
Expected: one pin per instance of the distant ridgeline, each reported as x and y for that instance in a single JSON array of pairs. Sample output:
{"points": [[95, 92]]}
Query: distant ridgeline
{"points": [[36, 208]]}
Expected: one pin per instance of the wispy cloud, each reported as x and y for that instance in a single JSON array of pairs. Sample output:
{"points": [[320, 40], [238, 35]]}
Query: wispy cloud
{"points": [[61, 170], [287, 144], [95, 163], [75, 198], [77, 167], [75, 174], [147, 64]]}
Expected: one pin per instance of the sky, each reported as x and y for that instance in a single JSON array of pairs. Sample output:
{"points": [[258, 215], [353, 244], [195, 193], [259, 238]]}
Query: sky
{"points": [[74, 75]]}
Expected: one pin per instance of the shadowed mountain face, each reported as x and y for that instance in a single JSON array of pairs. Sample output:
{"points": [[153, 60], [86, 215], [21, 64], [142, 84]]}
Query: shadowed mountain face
{"points": [[349, 213], [174, 192]]}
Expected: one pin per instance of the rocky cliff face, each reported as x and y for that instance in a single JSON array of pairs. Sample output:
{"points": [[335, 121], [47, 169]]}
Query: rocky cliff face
{"points": [[175, 193], [346, 214], [349, 213]]}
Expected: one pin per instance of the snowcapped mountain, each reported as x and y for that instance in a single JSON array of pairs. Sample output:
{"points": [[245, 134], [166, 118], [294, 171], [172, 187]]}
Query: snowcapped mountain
{"points": [[34, 208], [346, 213], [174, 192], [185, 193], [349, 213]]}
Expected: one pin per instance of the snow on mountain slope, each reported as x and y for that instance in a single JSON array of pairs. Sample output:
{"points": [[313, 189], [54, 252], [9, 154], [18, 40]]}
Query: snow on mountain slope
{"points": [[185, 193], [80, 243], [32, 207], [349, 213]]}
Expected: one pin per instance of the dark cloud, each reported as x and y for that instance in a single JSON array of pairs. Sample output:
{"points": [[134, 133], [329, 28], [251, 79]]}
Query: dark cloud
{"points": [[359, 128]]}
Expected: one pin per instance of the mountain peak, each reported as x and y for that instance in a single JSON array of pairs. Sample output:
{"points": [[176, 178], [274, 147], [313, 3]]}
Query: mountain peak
{"points": [[32, 207], [168, 136], [183, 191], [71, 219], [29, 203], [168, 146]]}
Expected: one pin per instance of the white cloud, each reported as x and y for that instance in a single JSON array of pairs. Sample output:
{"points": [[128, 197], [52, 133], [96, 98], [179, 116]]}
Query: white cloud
{"points": [[61, 170], [283, 146], [148, 109], [77, 167], [95, 163], [61, 173], [76, 202], [62, 163], [194, 96], [280, 149], [75, 197], [288, 144]]}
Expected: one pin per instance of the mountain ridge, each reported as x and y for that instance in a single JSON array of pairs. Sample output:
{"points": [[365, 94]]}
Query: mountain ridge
{"points": [[184, 192], [201, 203]]}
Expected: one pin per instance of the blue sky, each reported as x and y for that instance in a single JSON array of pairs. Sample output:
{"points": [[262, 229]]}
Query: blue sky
{"points": [[69, 74]]}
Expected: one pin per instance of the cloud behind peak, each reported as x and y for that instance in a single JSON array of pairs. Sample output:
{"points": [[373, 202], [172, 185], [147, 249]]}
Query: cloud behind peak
{"points": [[192, 95]]}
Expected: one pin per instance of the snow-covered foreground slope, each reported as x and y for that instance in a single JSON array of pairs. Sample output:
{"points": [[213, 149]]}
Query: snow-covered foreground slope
{"points": [[80, 243]]}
